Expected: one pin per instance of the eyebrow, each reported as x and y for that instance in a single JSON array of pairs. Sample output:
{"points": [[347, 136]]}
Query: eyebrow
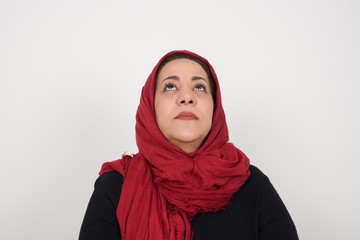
{"points": [[174, 77]]}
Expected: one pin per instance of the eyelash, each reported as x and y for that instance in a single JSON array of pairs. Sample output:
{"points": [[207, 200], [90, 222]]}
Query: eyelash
{"points": [[168, 85], [201, 86], [171, 85]]}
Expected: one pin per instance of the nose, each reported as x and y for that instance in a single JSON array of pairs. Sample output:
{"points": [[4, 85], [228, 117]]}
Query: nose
{"points": [[186, 97]]}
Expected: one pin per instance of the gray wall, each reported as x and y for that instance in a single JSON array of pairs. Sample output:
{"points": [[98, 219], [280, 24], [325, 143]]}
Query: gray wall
{"points": [[70, 79]]}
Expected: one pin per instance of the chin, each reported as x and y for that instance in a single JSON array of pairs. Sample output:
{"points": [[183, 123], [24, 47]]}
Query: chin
{"points": [[188, 138]]}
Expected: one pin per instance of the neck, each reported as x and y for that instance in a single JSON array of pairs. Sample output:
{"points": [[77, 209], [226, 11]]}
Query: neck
{"points": [[187, 147]]}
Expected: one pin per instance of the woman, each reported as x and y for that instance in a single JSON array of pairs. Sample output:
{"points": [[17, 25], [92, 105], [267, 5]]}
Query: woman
{"points": [[187, 181]]}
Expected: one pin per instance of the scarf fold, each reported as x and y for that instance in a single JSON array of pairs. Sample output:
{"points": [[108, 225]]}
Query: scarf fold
{"points": [[165, 187]]}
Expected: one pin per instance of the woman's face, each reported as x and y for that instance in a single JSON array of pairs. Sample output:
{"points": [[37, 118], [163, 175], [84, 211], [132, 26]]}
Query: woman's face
{"points": [[183, 103]]}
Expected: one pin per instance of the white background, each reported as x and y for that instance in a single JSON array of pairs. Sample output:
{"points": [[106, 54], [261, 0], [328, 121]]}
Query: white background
{"points": [[71, 73]]}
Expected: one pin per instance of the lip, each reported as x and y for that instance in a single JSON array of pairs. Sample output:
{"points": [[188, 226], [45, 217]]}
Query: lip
{"points": [[186, 116]]}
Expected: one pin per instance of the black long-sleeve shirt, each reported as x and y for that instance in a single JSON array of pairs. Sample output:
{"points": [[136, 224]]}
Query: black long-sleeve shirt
{"points": [[255, 212]]}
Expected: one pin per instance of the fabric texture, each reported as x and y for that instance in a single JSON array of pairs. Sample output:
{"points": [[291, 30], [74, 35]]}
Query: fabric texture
{"points": [[164, 186], [255, 212]]}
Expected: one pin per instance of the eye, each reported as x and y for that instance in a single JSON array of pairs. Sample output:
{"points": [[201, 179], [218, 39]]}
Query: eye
{"points": [[200, 87], [169, 87]]}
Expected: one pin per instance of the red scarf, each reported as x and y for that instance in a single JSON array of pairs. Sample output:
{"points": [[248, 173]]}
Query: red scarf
{"points": [[164, 187]]}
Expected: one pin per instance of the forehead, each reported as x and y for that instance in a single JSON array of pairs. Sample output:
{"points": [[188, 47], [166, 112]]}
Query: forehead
{"points": [[182, 66]]}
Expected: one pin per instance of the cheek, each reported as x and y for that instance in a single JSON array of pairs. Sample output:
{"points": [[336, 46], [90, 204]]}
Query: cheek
{"points": [[157, 112], [157, 108], [210, 109], [210, 118], [161, 109]]}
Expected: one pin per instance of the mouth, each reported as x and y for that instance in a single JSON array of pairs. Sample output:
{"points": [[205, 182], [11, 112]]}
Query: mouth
{"points": [[186, 116]]}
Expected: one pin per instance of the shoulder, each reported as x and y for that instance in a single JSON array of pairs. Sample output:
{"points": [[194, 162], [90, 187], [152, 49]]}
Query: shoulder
{"points": [[100, 221], [256, 172], [257, 179], [109, 177], [109, 183], [255, 188], [274, 219]]}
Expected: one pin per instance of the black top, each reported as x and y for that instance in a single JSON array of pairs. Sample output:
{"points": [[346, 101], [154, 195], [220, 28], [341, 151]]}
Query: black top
{"points": [[255, 212]]}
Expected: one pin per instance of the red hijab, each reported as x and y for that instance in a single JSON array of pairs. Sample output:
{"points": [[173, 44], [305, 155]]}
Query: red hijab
{"points": [[165, 187]]}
